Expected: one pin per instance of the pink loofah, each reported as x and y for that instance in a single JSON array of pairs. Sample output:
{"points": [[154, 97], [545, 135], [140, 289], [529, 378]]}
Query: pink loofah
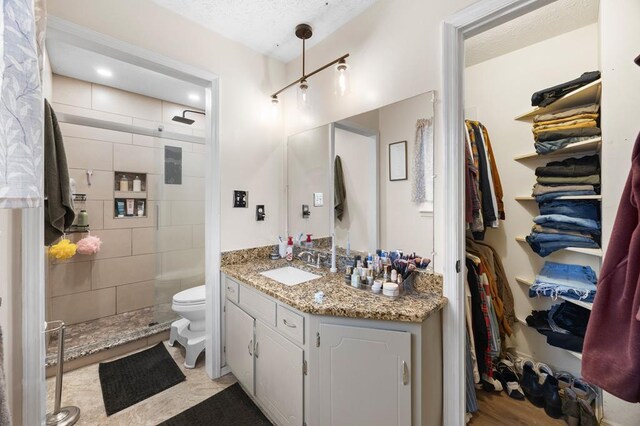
{"points": [[89, 245]]}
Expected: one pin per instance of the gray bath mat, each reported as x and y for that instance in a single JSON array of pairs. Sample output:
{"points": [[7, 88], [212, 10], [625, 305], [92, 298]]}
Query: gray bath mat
{"points": [[231, 407], [129, 380]]}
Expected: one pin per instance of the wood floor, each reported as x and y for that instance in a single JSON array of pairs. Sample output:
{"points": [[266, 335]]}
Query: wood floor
{"points": [[496, 408]]}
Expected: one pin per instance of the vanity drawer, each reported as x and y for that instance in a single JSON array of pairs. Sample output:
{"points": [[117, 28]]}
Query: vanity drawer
{"points": [[231, 290], [290, 324], [258, 305]]}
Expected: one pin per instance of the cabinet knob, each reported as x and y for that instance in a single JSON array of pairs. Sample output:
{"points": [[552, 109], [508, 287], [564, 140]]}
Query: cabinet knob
{"points": [[249, 347]]}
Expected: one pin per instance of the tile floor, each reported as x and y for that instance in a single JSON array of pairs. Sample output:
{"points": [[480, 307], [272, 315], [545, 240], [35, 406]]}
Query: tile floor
{"points": [[82, 388]]}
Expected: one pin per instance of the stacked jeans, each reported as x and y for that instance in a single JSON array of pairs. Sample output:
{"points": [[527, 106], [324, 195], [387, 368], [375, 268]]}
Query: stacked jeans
{"points": [[571, 281], [565, 127], [566, 223], [564, 325], [547, 96]]}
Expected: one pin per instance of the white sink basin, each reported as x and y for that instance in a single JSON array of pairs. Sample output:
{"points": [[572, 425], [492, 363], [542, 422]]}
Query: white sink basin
{"points": [[290, 275]]}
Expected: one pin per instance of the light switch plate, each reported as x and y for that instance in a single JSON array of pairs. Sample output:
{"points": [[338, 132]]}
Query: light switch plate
{"points": [[240, 199], [318, 199]]}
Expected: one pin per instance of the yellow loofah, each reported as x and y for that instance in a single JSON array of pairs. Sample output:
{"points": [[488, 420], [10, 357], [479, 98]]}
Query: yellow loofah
{"points": [[63, 250]]}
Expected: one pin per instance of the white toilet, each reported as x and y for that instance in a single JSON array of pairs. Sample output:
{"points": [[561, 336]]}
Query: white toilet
{"points": [[189, 329]]}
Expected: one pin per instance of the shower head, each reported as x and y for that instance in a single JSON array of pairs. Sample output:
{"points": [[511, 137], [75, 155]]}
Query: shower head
{"points": [[185, 120]]}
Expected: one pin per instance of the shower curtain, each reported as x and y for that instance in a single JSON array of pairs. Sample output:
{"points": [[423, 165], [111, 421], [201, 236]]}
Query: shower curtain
{"points": [[22, 24]]}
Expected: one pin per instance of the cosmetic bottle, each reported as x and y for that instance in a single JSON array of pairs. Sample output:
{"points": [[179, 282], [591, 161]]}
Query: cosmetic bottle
{"points": [[309, 242], [347, 275], [355, 278], [83, 219], [124, 184], [289, 250], [137, 184]]}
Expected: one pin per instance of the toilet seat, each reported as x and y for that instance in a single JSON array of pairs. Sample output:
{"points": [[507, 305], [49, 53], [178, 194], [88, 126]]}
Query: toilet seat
{"points": [[190, 296]]}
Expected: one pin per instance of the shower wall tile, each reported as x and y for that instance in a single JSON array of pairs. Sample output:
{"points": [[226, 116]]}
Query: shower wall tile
{"points": [[192, 189], [88, 154], [101, 184], [185, 262], [71, 91], [165, 289], [109, 99], [84, 112], [70, 277], [153, 187], [95, 210], [86, 306], [94, 133], [144, 241], [193, 164], [115, 243], [135, 296], [198, 236], [168, 126], [187, 212], [142, 140], [123, 270], [192, 281], [133, 158], [165, 211]]}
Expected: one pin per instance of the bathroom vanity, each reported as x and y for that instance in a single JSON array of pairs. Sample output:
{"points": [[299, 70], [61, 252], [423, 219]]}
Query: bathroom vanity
{"points": [[357, 358]]}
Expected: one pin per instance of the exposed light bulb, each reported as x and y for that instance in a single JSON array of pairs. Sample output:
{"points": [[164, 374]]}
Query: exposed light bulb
{"points": [[303, 95], [342, 86]]}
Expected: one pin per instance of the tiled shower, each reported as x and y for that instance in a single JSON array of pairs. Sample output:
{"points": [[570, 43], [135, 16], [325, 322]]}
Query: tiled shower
{"points": [[124, 291]]}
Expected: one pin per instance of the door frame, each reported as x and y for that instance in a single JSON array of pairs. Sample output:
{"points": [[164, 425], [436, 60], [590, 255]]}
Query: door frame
{"points": [[473, 20], [33, 312]]}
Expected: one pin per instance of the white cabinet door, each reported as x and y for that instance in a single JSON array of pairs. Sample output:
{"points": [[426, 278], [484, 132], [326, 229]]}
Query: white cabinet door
{"points": [[365, 376], [279, 376], [239, 343]]}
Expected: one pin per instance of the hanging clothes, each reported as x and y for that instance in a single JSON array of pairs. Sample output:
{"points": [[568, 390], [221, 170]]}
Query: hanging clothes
{"points": [[611, 355], [484, 188]]}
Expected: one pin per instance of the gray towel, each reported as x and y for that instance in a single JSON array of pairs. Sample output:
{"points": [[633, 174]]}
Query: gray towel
{"points": [[5, 414], [340, 192], [58, 204]]}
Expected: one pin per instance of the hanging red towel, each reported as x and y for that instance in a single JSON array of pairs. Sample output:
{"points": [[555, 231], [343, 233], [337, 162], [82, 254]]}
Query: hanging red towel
{"points": [[611, 355]]}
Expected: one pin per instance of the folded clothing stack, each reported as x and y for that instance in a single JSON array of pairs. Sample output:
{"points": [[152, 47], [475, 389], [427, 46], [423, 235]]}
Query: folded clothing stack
{"points": [[548, 96], [573, 176], [571, 281], [563, 224], [556, 130], [564, 325]]}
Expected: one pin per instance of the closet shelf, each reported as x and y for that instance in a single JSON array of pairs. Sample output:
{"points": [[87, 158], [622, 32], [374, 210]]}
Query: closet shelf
{"points": [[591, 252], [529, 282], [588, 94], [566, 197], [584, 147], [578, 355]]}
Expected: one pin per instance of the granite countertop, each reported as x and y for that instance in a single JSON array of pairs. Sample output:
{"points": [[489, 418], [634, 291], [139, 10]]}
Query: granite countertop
{"points": [[339, 298]]}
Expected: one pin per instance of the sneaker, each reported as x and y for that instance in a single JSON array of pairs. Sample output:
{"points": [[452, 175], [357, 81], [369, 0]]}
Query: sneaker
{"points": [[531, 385], [570, 407], [587, 415], [565, 380], [509, 379], [543, 371]]}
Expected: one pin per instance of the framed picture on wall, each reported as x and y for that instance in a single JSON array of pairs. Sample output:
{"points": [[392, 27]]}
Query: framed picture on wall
{"points": [[398, 161]]}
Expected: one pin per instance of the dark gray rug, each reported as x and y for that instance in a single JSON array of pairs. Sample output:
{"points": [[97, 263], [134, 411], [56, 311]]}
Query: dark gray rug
{"points": [[231, 407], [129, 380]]}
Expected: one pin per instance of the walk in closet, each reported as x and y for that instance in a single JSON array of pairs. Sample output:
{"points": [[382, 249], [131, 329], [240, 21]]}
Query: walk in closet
{"points": [[542, 182]]}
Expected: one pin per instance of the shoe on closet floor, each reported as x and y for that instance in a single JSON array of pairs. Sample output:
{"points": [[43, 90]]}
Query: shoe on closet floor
{"points": [[490, 384], [565, 379], [543, 371], [507, 375], [587, 416], [570, 407], [552, 401], [531, 385]]}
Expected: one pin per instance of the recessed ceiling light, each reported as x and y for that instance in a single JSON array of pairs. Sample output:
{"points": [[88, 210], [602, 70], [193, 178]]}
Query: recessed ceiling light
{"points": [[194, 97], [103, 72]]}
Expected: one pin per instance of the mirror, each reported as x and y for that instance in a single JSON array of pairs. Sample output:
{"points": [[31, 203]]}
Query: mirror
{"points": [[368, 179]]}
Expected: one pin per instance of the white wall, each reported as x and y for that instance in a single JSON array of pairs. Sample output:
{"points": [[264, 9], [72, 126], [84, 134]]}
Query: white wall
{"points": [[620, 44], [250, 141], [357, 154], [395, 48]]}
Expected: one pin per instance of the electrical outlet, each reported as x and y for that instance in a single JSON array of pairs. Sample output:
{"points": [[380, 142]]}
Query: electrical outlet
{"points": [[260, 213], [318, 199], [240, 199]]}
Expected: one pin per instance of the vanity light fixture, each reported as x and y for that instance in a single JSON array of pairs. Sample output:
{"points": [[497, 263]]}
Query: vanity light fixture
{"points": [[304, 32]]}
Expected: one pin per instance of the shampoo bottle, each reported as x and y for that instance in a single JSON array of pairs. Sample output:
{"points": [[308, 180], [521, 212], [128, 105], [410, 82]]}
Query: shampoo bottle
{"points": [[289, 251]]}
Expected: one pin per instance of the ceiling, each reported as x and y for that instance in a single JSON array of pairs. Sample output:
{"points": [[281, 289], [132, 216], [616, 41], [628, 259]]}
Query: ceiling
{"points": [[552, 20], [72, 61], [267, 26]]}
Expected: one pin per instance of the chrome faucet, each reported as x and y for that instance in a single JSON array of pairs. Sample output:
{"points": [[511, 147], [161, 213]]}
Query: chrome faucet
{"points": [[317, 263]]}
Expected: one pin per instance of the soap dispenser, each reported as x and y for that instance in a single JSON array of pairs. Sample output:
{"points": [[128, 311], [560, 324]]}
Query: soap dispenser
{"points": [[289, 251], [309, 242]]}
